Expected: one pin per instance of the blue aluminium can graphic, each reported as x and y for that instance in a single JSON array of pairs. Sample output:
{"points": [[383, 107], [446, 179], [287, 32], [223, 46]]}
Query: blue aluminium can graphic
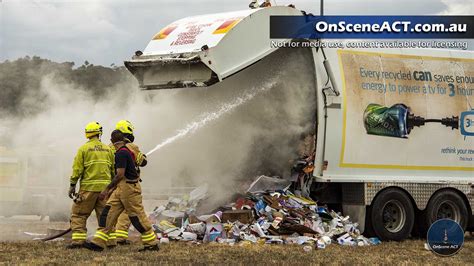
{"points": [[386, 121], [445, 237], [467, 123]]}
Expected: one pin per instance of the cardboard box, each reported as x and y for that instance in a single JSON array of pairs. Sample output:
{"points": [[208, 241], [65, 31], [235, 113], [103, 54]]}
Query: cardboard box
{"points": [[243, 216]]}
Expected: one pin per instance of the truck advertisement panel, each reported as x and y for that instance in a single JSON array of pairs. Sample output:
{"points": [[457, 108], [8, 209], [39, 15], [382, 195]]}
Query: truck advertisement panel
{"points": [[192, 33], [407, 112]]}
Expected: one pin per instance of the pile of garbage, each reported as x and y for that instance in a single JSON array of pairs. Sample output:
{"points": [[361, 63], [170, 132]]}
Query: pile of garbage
{"points": [[271, 216]]}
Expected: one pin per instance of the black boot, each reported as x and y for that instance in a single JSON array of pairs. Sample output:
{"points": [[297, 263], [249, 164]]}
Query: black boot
{"points": [[150, 248], [93, 247], [74, 246], [123, 242]]}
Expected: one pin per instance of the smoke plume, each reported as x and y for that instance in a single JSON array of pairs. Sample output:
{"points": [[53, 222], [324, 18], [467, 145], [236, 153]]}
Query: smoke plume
{"points": [[259, 136]]}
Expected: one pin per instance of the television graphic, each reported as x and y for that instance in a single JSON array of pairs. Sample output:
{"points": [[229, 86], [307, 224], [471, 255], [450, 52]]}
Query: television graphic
{"points": [[467, 123]]}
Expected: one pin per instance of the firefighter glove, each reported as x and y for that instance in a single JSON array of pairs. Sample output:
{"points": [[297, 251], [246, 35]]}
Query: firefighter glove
{"points": [[72, 191]]}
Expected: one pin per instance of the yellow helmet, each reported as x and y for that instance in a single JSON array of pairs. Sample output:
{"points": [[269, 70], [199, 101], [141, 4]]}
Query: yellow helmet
{"points": [[93, 129], [125, 127]]}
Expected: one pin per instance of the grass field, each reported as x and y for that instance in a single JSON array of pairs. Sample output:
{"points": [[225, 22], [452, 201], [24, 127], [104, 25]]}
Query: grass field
{"points": [[22, 250], [410, 252]]}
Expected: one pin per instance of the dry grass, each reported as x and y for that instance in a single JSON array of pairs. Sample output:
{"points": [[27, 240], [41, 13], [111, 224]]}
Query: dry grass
{"points": [[407, 252], [27, 252]]}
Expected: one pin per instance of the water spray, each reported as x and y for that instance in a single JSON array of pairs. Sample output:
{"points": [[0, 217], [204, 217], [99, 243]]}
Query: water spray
{"points": [[208, 117]]}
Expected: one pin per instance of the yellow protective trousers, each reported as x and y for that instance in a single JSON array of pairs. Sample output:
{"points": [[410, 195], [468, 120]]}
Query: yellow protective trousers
{"points": [[123, 224], [87, 201], [128, 197]]}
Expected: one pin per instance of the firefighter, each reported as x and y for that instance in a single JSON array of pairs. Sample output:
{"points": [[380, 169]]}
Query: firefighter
{"points": [[123, 222], [125, 194], [93, 168]]}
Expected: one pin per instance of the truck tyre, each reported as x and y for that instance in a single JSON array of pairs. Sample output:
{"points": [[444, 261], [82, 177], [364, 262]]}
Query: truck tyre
{"points": [[446, 204], [369, 228], [392, 215]]}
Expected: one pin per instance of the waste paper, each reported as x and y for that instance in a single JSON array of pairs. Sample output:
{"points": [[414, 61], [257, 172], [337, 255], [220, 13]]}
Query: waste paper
{"points": [[261, 216]]}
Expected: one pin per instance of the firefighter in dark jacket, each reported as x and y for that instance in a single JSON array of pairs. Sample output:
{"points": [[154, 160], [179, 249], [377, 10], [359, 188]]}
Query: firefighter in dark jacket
{"points": [[125, 194]]}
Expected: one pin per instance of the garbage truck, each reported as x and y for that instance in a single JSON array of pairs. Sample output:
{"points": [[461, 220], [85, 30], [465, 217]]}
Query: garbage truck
{"points": [[394, 129]]}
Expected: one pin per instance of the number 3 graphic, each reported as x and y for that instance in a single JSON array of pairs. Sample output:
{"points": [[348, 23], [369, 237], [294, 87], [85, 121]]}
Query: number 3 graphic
{"points": [[451, 90]]}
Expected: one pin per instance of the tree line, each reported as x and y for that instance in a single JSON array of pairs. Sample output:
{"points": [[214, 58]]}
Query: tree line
{"points": [[22, 78]]}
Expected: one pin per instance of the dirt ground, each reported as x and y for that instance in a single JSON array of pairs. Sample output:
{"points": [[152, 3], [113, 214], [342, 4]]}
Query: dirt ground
{"points": [[21, 249]]}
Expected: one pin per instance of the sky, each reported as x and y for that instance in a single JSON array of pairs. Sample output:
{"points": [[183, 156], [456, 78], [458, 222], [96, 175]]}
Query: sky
{"points": [[110, 31]]}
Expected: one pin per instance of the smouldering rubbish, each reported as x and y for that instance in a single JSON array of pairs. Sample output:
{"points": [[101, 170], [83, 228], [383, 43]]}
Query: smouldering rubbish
{"points": [[271, 217]]}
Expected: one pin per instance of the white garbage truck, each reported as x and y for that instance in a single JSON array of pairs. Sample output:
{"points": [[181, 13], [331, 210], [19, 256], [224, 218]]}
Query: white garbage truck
{"points": [[394, 130]]}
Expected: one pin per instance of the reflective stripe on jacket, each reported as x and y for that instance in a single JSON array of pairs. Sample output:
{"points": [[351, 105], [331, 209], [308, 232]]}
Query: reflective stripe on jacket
{"points": [[93, 166]]}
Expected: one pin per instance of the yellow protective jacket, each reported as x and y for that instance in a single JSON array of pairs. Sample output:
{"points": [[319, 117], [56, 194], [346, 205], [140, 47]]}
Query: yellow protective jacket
{"points": [[93, 165], [139, 156]]}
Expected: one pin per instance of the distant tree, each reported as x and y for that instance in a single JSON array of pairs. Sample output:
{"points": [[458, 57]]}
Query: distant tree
{"points": [[23, 77]]}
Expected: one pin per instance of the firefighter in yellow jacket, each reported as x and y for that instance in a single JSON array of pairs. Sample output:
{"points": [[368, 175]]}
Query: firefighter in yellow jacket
{"points": [[125, 194], [93, 168], [123, 222]]}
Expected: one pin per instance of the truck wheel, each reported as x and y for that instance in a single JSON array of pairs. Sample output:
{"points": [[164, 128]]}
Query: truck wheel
{"points": [[446, 204], [392, 215], [369, 228]]}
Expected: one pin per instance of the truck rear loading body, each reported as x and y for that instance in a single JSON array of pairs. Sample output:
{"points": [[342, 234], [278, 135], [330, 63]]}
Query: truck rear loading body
{"points": [[394, 146]]}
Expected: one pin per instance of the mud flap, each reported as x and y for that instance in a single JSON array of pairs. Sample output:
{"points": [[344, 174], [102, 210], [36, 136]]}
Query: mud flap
{"points": [[357, 214]]}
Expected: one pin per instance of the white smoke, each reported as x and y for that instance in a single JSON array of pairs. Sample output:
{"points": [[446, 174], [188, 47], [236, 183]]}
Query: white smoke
{"points": [[209, 117], [250, 128]]}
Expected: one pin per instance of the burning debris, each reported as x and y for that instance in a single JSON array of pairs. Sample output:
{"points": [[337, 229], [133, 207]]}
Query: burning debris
{"points": [[264, 216]]}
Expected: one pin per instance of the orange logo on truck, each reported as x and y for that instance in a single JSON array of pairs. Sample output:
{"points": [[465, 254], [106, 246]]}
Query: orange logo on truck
{"points": [[164, 32], [226, 26]]}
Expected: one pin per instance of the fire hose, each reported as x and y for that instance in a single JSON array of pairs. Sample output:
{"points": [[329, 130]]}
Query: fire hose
{"points": [[76, 198], [60, 234]]}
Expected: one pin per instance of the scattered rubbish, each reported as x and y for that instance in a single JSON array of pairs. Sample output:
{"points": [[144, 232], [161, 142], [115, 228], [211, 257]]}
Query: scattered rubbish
{"points": [[261, 216], [427, 247], [326, 240], [374, 241], [265, 183], [197, 228], [213, 232], [320, 244], [229, 241], [33, 234], [345, 240], [173, 214], [189, 236], [244, 216]]}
